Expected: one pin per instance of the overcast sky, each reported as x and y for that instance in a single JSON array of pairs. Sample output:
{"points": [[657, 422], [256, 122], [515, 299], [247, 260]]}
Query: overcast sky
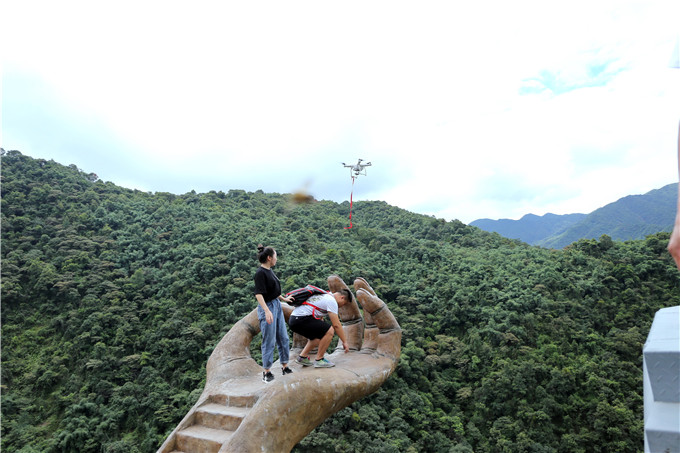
{"points": [[467, 110]]}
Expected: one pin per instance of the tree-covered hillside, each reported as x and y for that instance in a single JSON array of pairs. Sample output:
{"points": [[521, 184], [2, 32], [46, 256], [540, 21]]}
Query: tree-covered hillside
{"points": [[631, 217], [530, 228], [113, 299]]}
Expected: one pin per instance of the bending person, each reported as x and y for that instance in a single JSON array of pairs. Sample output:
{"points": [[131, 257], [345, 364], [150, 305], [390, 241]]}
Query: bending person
{"points": [[307, 320]]}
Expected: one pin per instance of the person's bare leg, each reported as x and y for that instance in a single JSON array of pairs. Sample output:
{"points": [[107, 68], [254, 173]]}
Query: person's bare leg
{"points": [[324, 343], [311, 344]]}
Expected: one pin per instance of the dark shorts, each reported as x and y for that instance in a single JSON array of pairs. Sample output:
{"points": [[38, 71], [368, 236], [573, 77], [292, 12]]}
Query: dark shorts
{"points": [[308, 326]]}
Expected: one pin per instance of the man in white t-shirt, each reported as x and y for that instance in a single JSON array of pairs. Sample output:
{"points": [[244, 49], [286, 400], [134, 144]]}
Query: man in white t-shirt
{"points": [[307, 320]]}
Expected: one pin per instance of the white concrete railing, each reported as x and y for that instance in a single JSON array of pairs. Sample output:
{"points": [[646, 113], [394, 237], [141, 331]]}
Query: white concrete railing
{"points": [[661, 377]]}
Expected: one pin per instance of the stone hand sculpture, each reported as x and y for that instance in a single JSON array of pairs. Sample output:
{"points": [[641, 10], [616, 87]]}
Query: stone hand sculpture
{"points": [[238, 413]]}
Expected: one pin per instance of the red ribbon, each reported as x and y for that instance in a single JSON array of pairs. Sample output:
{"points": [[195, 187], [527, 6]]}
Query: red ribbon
{"points": [[350, 205]]}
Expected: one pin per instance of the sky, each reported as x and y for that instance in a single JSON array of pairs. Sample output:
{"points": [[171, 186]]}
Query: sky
{"points": [[467, 110]]}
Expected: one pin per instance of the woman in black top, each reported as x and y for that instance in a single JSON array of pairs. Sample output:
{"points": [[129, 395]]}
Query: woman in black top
{"points": [[270, 314]]}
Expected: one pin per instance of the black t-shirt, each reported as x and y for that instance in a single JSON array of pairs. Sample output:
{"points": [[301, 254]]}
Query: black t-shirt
{"points": [[267, 284]]}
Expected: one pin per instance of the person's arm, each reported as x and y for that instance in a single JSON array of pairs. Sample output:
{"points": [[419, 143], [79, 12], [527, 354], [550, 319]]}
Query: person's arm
{"points": [[674, 243], [267, 312], [337, 325]]}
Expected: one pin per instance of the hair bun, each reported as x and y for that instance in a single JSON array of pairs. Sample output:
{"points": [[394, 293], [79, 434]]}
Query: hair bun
{"points": [[260, 248]]}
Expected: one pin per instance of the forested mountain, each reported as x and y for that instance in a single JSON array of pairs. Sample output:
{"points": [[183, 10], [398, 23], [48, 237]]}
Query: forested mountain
{"points": [[531, 228], [631, 217], [113, 299]]}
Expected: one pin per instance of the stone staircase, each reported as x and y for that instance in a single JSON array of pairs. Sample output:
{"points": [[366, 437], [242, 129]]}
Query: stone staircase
{"points": [[214, 422]]}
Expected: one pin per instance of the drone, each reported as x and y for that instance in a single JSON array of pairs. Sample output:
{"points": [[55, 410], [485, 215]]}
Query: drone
{"points": [[358, 168]]}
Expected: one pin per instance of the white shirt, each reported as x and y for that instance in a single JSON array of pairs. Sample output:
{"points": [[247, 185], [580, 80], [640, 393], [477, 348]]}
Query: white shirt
{"points": [[324, 302]]}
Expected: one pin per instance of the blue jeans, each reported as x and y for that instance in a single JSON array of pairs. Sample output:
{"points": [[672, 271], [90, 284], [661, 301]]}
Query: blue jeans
{"points": [[274, 333]]}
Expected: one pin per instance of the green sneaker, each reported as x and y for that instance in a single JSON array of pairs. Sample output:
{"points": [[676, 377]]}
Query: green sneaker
{"points": [[304, 361], [323, 363]]}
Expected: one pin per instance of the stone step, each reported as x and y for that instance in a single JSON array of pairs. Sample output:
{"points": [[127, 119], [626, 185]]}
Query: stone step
{"points": [[201, 439], [234, 400], [219, 416]]}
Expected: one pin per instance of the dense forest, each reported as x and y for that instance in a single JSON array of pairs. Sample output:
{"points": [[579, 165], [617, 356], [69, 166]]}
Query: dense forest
{"points": [[113, 299]]}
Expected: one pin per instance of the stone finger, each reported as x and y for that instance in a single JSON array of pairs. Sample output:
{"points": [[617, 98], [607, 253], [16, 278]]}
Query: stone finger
{"points": [[349, 312], [389, 331]]}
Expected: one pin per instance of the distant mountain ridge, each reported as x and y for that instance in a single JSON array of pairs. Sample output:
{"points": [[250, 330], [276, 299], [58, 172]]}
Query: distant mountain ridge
{"points": [[530, 228], [630, 217]]}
